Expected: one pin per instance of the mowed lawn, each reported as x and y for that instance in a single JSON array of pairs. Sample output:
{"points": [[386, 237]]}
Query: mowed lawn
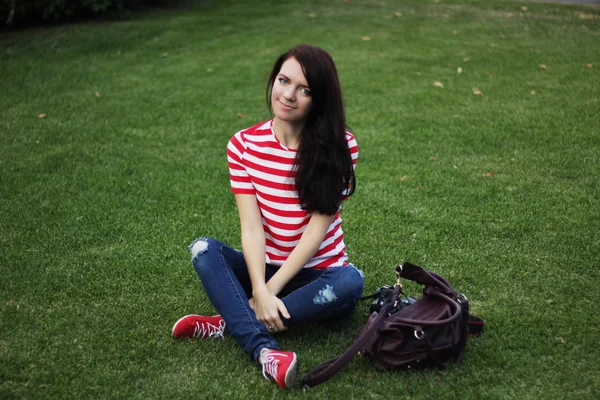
{"points": [[479, 132]]}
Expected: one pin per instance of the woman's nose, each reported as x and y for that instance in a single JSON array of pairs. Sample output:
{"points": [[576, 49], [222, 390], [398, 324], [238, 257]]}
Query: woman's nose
{"points": [[289, 93]]}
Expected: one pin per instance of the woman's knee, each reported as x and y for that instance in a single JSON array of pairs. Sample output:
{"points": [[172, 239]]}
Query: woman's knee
{"points": [[200, 251], [201, 245], [347, 285], [211, 256], [356, 284]]}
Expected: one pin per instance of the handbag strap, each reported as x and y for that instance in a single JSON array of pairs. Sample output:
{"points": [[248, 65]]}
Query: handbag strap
{"points": [[328, 369], [417, 274], [476, 325]]}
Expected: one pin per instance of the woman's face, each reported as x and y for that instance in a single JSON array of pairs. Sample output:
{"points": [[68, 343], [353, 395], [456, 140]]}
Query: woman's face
{"points": [[291, 98]]}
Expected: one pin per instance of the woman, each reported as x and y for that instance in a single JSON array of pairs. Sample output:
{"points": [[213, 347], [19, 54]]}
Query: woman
{"points": [[289, 176]]}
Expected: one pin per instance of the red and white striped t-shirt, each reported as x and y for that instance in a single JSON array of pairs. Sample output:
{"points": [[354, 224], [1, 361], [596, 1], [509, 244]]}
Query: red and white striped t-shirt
{"points": [[260, 165]]}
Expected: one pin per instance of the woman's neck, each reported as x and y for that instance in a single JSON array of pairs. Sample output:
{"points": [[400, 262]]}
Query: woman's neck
{"points": [[288, 133]]}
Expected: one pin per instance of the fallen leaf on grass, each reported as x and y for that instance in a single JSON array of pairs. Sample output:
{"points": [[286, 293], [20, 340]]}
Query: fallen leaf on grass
{"points": [[510, 15], [412, 11], [438, 84], [459, 70], [488, 174], [455, 32], [560, 340], [477, 92], [583, 15], [588, 65], [312, 15], [164, 55], [403, 178], [42, 116], [398, 14], [365, 38], [241, 115], [432, 158], [455, 167], [532, 92], [435, 15], [524, 8], [466, 59], [419, 187], [542, 66], [501, 36], [97, 94]]}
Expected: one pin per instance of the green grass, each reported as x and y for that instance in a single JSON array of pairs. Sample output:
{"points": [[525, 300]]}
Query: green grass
{"points": [[99, 200]]}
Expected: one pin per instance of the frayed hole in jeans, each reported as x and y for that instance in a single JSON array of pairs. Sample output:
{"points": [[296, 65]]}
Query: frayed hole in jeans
{"points": [[198, 248], [326, 295]]}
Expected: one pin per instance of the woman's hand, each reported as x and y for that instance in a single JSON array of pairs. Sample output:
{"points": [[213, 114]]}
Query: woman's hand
{"points": [[267, 307]]}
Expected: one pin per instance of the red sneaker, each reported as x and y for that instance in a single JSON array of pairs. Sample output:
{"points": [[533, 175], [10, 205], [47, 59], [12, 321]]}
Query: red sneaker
{"points": [[199, 326], [280, 365]]}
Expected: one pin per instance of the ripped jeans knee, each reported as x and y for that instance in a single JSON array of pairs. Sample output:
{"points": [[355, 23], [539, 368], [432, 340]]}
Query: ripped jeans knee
{"points": [[198, 247], [209, 253], [202, 245]]}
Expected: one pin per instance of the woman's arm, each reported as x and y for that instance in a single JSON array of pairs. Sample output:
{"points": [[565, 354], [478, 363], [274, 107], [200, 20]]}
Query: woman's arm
{"points": [[264, 303], [306, 248], [253, 238]]}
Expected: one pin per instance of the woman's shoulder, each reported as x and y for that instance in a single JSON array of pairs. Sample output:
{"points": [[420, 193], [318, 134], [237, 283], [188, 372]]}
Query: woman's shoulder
{"points": [[256, 133], [351, 139], [262, 128]]}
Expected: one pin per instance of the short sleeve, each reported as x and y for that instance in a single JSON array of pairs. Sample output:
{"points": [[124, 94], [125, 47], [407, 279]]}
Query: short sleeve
{"points": [[353, 147], [238, 176]]}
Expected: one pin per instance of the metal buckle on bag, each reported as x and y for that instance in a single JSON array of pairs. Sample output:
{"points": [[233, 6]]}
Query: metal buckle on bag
{"points": [[462, 298], [398, 283], [419, 334]]}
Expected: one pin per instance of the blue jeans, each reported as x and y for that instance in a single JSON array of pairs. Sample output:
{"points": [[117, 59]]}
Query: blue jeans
{"points": [[312, 295]]}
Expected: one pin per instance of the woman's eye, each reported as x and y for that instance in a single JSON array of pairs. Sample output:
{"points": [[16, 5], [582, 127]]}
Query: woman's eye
{"points": [[283, 81], [306, 92]]}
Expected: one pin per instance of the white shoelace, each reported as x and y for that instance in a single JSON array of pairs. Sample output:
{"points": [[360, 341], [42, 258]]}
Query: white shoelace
{"points": [[270, 363], [206, 329]]}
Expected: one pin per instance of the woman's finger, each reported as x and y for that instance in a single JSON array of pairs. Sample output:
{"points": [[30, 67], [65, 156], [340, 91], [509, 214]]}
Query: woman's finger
{"points": [[283, 309], [271, 327]]}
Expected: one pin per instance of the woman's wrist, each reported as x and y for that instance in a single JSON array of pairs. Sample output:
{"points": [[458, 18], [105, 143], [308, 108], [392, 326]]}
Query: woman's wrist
{"points": [[272, 288], [258, 290]]}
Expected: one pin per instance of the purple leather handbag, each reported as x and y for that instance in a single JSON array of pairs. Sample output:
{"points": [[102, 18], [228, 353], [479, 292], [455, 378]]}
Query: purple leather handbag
{"points": [[432, 330]]}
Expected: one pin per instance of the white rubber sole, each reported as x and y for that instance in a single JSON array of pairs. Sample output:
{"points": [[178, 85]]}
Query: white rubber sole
{"points": [[291, 373]]}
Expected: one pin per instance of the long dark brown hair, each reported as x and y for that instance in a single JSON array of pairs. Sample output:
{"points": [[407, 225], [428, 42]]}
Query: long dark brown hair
{"points": [[323, 164]]}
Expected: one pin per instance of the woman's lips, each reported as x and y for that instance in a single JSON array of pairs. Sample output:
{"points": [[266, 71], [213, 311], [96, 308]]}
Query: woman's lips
{"points": [[285, 106]]}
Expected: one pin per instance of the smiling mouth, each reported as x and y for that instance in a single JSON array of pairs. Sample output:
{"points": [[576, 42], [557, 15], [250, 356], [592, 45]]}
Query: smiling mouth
{"points": [[285, 106]]}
